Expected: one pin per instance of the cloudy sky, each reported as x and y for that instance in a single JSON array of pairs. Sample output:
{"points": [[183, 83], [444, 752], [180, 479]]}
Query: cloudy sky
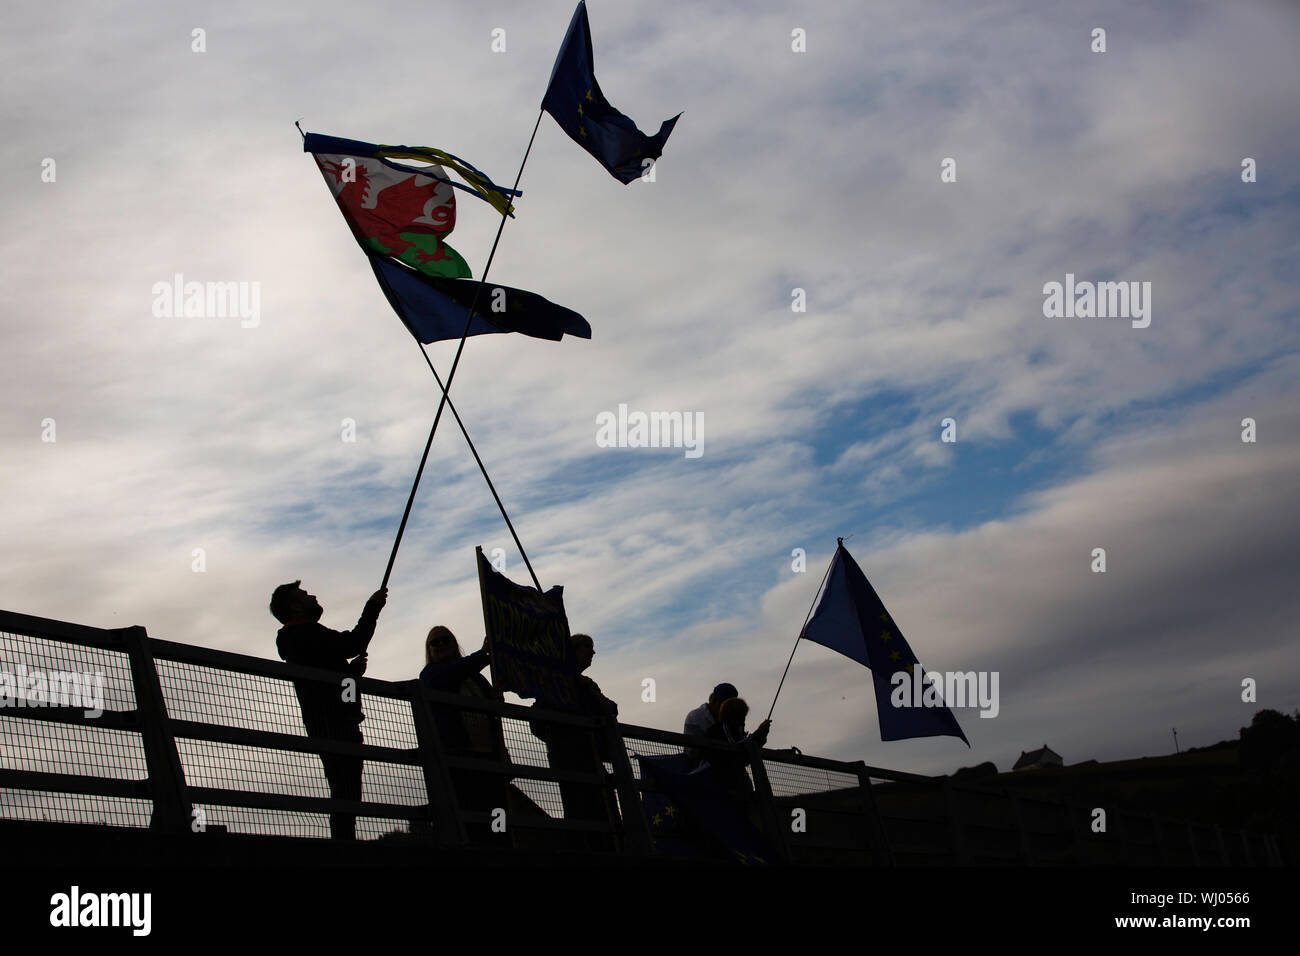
{"points": [[816, 170]]}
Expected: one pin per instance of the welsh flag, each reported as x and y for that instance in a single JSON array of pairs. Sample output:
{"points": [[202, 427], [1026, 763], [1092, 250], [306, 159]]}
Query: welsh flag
{"points": [[398, 210]]}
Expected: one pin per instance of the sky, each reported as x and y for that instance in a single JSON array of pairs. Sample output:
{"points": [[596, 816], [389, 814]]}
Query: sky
{"points": [[133, 442]]}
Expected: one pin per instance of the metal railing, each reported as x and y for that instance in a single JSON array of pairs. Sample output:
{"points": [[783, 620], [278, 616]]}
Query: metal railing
{"points": [[200, 741]]}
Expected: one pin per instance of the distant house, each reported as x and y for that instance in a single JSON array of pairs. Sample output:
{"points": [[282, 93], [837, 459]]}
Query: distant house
{"points": [[1044, 756]]}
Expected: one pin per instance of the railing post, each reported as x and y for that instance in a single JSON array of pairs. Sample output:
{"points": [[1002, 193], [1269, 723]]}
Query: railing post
{"points": [[171, 804], [1223, 847], [636, 831], [880, 838], [1274, 851], [1162, 856], [1245, 845], [767, 803], [954, 824], [448, 827], [1078, 844], [1122, 837], [1026, 847]]}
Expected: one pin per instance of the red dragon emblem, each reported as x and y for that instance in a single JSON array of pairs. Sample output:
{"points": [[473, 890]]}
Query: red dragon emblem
{"points": [[380, 203]]}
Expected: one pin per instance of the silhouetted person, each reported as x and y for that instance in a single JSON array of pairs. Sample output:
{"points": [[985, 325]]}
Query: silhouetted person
{"points": [[577, 749], [465, 733], [730, 767], [702, 718], [326, 713]]}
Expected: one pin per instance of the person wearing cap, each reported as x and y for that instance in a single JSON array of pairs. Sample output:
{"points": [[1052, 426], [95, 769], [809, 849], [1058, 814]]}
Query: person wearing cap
{"points": [[703, 718]]}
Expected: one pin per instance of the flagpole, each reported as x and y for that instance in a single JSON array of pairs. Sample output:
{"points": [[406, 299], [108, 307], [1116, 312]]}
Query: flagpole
{"points": [[840, 543], [410, 500], [483, 468]]}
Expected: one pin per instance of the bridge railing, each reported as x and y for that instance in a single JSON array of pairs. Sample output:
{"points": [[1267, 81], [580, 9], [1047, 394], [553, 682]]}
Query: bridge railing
{"points": [[192, 739]]}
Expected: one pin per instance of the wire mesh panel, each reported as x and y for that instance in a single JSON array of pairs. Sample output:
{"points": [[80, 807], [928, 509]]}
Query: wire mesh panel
{"points": [[1048, 835], [285, 823], [637, 747], [51, 747], [916, 822], [25, 653], [790, 779], [822, 813], [46, 807], [527, 749], [990, 828], [1141, 838], [641, 747], [43, 677], [571, 749], [211, 695], [224, 698]]}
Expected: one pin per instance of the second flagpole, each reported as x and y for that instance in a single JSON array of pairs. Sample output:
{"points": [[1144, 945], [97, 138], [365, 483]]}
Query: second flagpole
{"points": [[446, 388], [839, 543]]}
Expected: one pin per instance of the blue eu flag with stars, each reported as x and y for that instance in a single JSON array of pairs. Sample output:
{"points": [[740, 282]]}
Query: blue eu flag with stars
{"points": [[574, 98], [851, 619]]}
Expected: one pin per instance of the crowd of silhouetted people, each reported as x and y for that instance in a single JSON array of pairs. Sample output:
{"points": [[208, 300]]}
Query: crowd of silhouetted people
{"points": [[333, 712]]}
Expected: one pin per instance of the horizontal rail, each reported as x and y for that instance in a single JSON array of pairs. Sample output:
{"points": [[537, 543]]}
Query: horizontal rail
{"points": [[522, 822], [524, 771], [261, 667], [252, 799], [31, 626], [273, 740], [128, 720], [43, 780]]}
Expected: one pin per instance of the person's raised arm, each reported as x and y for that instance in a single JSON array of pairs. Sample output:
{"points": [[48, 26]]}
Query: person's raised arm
{"points": [[447, 675], [356, 641]]}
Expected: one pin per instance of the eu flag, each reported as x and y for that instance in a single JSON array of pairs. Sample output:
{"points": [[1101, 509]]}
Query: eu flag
{"points": [[851, 619], [436, 308], [574, 98], [692, 815]]}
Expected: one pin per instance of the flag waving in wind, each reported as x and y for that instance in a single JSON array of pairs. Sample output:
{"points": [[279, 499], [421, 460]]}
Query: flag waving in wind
{"points": [[401, 216], [398, 210], [574, 98], [436, 309], [851, 619]]}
